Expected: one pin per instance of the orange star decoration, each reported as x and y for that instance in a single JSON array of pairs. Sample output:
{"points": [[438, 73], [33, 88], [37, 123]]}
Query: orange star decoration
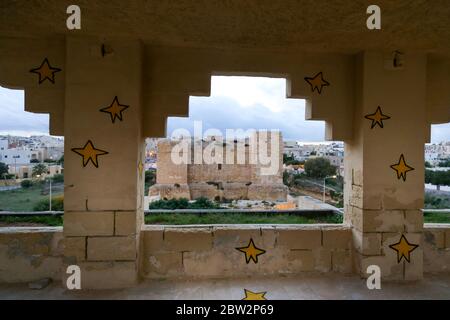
{"points": [[401, 168], [249, 295], [251, 252], [377, 118], [317, 82], [45, 71], [403, 248], [115, 110], [89, 153]]}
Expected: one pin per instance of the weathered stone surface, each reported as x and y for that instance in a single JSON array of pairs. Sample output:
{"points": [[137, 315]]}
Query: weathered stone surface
{"points": [[299, 238], [413, 220], [300, 260], [367, 243], [153, 240], [337, 238], [111, 248], [40, 284], [93, 223], [164, 264], [188, 239], [125, 223], [435, 237], [207, 264], [341, 261], [75, 247], [108, 275]]}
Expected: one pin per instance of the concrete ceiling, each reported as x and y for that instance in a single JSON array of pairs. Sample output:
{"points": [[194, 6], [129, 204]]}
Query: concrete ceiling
{"points": [[311, 25]]}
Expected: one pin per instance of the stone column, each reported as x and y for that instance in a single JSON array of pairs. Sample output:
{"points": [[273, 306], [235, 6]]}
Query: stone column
{"points": [[104, 152], [384, 163]]}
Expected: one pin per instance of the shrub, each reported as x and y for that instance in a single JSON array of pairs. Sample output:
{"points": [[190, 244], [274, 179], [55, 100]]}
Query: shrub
{"points": [[183, 203], [26, 184], [57, 204], [58, 178]]}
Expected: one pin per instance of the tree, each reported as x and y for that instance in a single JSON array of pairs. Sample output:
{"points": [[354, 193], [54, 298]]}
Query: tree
{"points": [[3, 169], [319, 168], [427, 164], [444, 163], [438, 178], [61, 161], [39, 169], [34, 161]]}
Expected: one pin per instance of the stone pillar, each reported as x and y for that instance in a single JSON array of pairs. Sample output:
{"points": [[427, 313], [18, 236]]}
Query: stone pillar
{"points": [[104, 152], [384, 163]]}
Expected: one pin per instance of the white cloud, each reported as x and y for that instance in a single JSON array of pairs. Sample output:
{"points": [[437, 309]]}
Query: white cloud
{"points": [[15, 120]]}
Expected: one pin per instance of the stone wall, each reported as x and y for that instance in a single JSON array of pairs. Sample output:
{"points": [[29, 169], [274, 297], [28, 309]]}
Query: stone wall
{"points": [[33, 253], [436, 248], [211, 251], [28, 254]]}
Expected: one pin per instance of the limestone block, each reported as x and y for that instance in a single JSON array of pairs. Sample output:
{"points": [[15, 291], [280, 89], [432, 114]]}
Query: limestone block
{"points": [[107, 275], [300, 260], [390, 269], [337, 238], [367, 243], [447, 238], [322, 260], [207, 264], [188, 239], [356, 198], [383, 220], [436, 238], [125, 223], [163, 264], [413, 220], [299, 238], [341, 261], [153, 240], [92, 223], [75, 247], [111, 248]]}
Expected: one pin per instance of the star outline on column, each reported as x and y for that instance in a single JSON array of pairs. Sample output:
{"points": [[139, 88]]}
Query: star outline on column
{"points": [[44, 71], [317, 83], [401, 168], [251, 252], [377, 118], [89, 153], [115, 109], [404, 249]]}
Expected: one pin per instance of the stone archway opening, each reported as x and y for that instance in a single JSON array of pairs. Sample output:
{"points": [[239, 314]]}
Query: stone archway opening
{"points": [[238, 106]]}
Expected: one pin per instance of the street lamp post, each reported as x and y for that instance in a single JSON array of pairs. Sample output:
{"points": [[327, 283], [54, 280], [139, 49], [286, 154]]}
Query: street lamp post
{"points": [[324, 180], [50, 197]]}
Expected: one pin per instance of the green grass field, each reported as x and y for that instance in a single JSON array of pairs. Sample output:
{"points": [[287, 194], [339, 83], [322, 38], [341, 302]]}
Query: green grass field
{"points": [[212, 218], [235, 218], [22, 199]]}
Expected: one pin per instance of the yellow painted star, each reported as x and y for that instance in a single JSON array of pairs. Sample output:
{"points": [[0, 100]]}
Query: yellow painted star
{"points": [[115, 110], [403, 248], [251, 252], [317, 82], [140, 167], [377, 118], [45, 71], [249, 295], [89, 153], [401, 168]]}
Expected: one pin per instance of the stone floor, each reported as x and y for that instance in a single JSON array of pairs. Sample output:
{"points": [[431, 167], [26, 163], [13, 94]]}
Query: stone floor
{"points": [[311, 286]]}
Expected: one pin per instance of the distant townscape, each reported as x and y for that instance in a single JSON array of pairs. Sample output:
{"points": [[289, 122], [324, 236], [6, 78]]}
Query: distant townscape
{"points": [[22, 154]]}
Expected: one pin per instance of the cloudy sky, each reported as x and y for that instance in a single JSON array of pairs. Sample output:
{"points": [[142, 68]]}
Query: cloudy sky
{"points": [[235, 103]]}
